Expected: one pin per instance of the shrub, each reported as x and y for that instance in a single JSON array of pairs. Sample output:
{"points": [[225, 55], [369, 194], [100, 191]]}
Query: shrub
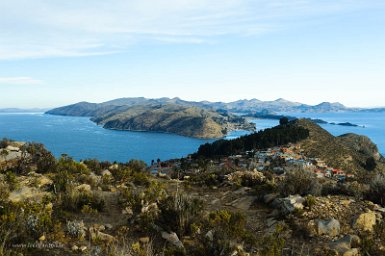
{"points": [[137, 165], [300, 182], [4, 191], [179, 212], [75, 201], [76, 229], [376, 191], [310, 201], [66, 163]]}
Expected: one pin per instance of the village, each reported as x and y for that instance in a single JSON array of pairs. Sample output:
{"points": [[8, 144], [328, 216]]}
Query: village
{"points": [[278, 160]]}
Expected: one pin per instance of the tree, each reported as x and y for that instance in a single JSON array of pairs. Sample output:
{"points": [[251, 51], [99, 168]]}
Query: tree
{"points": [[370, 164], [284, 121]]}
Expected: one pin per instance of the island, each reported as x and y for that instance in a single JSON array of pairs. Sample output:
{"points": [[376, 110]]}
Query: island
{"points": [[170, 118]]}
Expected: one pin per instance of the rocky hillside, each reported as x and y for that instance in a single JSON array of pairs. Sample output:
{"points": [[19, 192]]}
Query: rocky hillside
{"points": [[188, 207], [350, 152], [171, 118], [187, 121]]}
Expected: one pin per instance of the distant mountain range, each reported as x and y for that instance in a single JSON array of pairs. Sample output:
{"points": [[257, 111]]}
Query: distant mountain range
{"points": [[22, 110], [239, 106]]}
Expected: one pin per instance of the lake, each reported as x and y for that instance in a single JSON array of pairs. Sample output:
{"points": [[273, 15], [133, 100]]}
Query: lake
{"points": [[81, 138]]}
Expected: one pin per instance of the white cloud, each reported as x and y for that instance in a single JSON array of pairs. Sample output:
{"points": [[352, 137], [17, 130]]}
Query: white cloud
{"points": [[19, 81], [57, 28]]}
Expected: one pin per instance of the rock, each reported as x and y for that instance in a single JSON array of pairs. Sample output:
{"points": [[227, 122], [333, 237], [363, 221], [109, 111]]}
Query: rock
{"points": [[344, 245], [43, 181], [83, 248], [153, 207], [172, 238], [351, 252], [127, 211], [106, 173], [108, 226], [289, 204], [144, 240], [366, 221], [96, 234], [74, 247], [268, 198], [328, 227], [210, 235], [27, 193], [83, 188]]}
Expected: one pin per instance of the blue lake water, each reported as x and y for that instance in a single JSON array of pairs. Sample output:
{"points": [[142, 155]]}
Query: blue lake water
{"points": [[81, 138]]}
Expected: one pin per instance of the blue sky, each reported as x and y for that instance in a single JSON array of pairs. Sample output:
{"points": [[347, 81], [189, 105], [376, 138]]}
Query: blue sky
{"points": [[55, 52]]}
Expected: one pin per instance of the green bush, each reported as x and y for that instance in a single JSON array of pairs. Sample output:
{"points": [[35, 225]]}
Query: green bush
{"points": [[75, 201], [300, 182], [376, 191]]}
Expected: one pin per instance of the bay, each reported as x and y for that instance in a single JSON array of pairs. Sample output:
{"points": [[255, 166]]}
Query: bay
{"points": [[81, 138]]}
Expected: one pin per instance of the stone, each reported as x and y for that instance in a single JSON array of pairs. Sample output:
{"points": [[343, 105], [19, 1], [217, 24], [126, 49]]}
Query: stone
{"points": [[345, 244], [144, 240], [96, 234], [210, 235], [74, 247], [84, 188], [330, 227], [351, 252], [366, 221], [106, 173], [289, 204], [83, 248], [127, 211], [268, 198], [172, 238]]}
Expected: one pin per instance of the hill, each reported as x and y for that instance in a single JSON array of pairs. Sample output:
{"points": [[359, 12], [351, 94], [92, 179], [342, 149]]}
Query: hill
{"points": [[171, 118], [350, 152]]}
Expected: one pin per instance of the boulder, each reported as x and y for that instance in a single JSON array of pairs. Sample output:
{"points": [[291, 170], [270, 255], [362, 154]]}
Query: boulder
{"points": [[289, 204], [366, 221], [330, 227], [351, 252], [144, 240], [346, 245], [106, 173], [83, 188], [96, 234], [268, 198], [172, 238]]}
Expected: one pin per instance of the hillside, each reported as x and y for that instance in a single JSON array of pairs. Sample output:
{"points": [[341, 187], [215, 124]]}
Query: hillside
{"points": [[172, 118], [186, 121], [349, 152], [215, 206]]}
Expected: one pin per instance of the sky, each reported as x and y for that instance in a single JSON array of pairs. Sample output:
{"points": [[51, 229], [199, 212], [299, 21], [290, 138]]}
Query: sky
{"points": [[55, 52]]}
